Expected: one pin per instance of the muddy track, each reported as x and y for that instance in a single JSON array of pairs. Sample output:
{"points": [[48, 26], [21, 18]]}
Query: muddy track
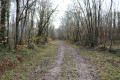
{"points": [[67, 65]]}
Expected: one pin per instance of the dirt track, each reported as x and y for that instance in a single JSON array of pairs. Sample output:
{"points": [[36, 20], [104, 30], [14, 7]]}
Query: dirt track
{"points": [[68, 65]]}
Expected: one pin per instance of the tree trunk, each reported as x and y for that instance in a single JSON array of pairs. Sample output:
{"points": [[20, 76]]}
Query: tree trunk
{"points": [[17, 21], [8, 15], [3, 16]]}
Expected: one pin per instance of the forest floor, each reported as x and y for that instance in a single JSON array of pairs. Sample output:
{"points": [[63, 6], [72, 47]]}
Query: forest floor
{"points": [[62, 60], [34, 59], [105, 63]]}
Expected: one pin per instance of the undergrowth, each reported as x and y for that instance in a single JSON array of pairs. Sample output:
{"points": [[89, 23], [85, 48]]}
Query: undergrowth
{"points": [[106, 64], [19, 66]]}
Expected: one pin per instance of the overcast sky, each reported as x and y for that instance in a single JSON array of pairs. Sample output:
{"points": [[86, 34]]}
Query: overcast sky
{"points": [[62, 7]]}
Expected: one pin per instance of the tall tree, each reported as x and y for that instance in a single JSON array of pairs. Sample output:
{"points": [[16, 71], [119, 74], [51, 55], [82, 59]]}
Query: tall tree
{"points": [[3, 19], [17, 21]]}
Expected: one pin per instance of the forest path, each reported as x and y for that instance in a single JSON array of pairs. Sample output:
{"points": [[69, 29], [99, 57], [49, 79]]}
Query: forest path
{"points": [[67, 65]]}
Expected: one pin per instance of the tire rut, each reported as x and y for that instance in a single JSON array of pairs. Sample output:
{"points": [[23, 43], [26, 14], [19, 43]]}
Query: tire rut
{"points": [[55, 67], [80, 68]]}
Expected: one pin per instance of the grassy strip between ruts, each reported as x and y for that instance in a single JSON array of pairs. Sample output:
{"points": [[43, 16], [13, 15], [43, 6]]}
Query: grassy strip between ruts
{"points": [[68, 67], [31, 59], [106, 64]]}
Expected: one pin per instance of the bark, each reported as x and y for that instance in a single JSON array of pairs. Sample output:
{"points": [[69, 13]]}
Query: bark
{"points": [[17, 21], [3, 19]]}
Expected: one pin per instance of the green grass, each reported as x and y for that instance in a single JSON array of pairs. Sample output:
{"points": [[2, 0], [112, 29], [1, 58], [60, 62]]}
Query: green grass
{"points": [[31, 59], [106, 64]]}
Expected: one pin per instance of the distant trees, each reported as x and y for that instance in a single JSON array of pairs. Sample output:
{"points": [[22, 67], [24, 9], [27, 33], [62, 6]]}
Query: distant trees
{"points": [[51, 32], [27, 4], [45, 13], [29, 23], [92, 22]]}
